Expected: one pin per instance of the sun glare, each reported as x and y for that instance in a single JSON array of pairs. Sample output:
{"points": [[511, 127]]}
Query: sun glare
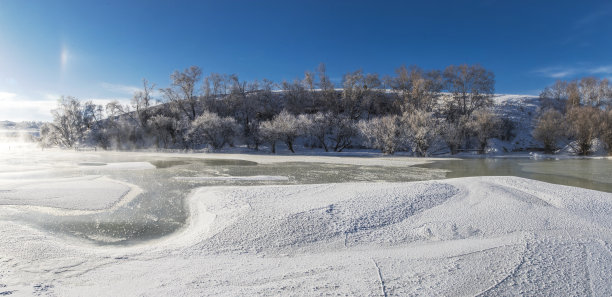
{"points": [[64, 58]]}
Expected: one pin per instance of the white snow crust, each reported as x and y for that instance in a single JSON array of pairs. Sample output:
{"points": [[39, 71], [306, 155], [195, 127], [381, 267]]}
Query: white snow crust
{"points": [[78, 195], [484, 236]]}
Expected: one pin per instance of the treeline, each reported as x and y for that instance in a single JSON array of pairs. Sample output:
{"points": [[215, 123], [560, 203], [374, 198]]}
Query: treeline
{"points": [[575, 113], [419, 111]]}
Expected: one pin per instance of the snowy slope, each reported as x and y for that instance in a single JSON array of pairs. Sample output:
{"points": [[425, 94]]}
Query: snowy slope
{"points": [[483, 236], [521, 110]]}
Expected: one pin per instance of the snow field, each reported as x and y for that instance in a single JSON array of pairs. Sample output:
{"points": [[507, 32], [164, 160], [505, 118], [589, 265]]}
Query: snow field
{"points": [[484, 236]]}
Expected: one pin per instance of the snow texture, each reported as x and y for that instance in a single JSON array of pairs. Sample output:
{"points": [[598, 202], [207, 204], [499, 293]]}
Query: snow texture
{"points": [[78, 195], [478, 236]]}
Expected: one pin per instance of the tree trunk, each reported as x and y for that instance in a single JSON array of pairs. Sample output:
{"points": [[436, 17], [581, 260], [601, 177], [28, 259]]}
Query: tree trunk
{"points": [[290, 146]]}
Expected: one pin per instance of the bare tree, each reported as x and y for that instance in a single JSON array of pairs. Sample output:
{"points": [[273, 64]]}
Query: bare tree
{"points": [[606, 129], [589, 90], [453, 133], [549, 129], [164, 129], [417, 88], [573, 95], [583, 124], [471, 86], [182, 93], [328, 98], [141, 102], [344, 129], [605, 93], [295, 96], [353, 93], [485, 125]]}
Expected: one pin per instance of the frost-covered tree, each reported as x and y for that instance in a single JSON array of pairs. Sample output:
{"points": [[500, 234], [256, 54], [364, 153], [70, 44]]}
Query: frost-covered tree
{"points": [[213, 130], [382, 133], [549, 129], [69, 124], [319, 127], [284, 127], [423, 131]]}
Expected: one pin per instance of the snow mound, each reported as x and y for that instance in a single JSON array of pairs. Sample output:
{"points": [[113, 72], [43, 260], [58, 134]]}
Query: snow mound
{"points": [[485, 236]]}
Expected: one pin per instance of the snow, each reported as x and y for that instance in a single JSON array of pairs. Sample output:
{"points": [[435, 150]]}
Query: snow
{"points": [[233, 178], [468, 236], [80, 195]]}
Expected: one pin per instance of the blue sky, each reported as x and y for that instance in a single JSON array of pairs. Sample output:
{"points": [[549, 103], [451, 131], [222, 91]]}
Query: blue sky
{"points": [[101, 50]]}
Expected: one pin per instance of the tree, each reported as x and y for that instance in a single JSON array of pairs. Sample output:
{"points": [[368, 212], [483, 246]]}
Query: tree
{"points": [[343, 130], [484, 125], [453, 133], [182, 93], [353, 93], [213, 130], [163, 129], [422, 130], [471, 87], [328, 97], [141, 102], [554, 95], [573, 95], [583, 124], [606, 129], [319, 127], [69, 123], [589, 90], [417, 88], [295, 96], [381, 133], [549, 129], [285, 127]]}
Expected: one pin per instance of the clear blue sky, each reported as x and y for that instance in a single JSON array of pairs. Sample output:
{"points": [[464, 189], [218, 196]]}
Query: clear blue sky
{"points": [[102, 49]]}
